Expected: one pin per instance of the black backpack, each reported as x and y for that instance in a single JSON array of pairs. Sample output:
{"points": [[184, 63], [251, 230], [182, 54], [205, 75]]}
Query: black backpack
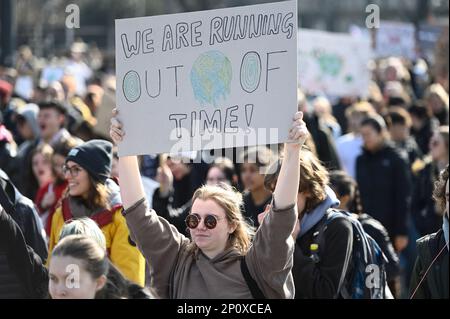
{"points": [[364, 272]]}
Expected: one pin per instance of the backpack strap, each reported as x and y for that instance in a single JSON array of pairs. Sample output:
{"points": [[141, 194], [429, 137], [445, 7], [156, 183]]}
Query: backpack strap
{"points": [[251, 283], [331, 215]]}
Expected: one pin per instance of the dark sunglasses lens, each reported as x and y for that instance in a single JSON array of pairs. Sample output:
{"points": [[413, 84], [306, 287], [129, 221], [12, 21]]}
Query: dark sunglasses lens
{"points": [[192, 221], [210, 221]]}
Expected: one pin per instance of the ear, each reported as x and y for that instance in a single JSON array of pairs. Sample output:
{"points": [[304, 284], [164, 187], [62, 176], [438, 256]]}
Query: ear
{"points": [[101, 282], [232, 227]]}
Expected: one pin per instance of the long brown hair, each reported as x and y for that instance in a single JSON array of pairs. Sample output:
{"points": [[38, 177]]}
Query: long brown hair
{"points": [[313, 179]]}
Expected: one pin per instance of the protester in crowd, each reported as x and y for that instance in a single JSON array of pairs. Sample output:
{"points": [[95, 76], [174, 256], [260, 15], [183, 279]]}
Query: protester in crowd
{"points": [[49, 195], [430, 276], [426, 215], [384, 180], [29, 130], [210, 264], [347, 192], [437, 101], [321, 135], [423, 126], [322, 108], [94, 270], [87, 227], [22, 272], [41, 165], [24, 213], [349, 146], [93, 194], [51, 118], [176, 187], [399, 124], [222, 171], [255, 162], [314, 199]]}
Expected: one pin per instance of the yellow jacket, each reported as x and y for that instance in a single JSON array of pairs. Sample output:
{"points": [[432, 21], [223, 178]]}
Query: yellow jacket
{"points": [[121, 250]]}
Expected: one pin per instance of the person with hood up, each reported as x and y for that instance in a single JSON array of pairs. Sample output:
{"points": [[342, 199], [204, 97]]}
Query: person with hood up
{"points": [[93, 194]]}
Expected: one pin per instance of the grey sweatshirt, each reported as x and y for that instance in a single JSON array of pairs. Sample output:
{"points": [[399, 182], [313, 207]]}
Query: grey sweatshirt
{"points": [[178, 273]]}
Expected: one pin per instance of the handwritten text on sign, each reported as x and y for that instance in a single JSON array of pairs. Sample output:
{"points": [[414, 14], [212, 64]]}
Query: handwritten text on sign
{"points": [[203, 80]]}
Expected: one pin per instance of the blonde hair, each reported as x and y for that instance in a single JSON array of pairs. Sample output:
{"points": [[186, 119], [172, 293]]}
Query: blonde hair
{"points": [[84, 226], [438, 91], [231, 202]]}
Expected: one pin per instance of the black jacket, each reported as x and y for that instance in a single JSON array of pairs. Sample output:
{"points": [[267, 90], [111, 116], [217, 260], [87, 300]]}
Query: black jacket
{"points": [[251, 210], [435, 284], [425, 217], [384, 180], [175, 207], [25, 215], [424, 135], [22, 272], [321, 280]]}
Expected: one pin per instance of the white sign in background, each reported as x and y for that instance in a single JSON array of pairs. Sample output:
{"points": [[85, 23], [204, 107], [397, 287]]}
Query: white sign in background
{"points": [[207, 80], [396, 39], [333, 64]]}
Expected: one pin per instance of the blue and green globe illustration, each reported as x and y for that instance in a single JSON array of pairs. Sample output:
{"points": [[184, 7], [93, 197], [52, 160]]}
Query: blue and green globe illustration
{"points": [[211, 78]]}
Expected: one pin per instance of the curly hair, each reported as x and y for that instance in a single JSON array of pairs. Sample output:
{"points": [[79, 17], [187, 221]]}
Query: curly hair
{"points": [[439, 189]]}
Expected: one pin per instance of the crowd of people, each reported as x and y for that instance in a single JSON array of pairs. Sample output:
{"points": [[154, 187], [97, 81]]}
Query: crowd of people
{"points": [[363, 182]]}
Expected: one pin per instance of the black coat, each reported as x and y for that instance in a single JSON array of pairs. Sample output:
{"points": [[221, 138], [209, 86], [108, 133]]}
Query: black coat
{"points": [[435, 284], [384, 180], [425, 217], [321, 280], [22, 272], [25, 215]]}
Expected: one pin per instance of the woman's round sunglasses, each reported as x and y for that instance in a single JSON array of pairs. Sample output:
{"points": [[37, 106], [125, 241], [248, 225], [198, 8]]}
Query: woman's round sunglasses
{"points": [[192, 221]]}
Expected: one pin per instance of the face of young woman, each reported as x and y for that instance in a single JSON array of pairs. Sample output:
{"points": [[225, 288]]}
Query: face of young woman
{"points": [[372, 139], [438, 148], [70, 280], [216, 176], [210, 241], [78, 179], [58, 163], [251, 178], [42, 169]]}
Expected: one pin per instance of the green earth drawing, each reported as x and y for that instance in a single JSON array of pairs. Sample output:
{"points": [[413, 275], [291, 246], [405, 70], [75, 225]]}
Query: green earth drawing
{"points": [[211, 76]]}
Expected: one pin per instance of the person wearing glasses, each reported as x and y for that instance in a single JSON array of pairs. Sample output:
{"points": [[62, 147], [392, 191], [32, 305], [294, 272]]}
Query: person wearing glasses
{"points": [[221, 260], [91, 193]]}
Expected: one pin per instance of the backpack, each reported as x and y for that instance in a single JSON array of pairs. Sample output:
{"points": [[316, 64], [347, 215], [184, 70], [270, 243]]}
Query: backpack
{"points": [[364, 273]]}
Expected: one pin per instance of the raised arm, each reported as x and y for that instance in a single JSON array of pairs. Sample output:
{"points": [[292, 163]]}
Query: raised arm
{"points": [[286, 189], [270, 259], [131, 188], [158, 241]]}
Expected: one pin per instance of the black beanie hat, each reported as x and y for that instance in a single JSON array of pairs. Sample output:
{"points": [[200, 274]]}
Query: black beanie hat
{"points": [[95, 157]]}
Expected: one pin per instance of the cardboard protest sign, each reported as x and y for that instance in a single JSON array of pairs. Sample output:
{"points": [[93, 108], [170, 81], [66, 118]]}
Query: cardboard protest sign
{"points": [[207, 80], [333, 64], [396, 39]]}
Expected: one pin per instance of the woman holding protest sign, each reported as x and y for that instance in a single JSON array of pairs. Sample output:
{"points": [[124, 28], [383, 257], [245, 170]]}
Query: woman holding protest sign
{"points": [[219, 261]]}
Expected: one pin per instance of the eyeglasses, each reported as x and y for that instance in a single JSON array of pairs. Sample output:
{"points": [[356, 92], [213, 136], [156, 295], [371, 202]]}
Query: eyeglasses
{"points": [[193, 220], [74, 170]]}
